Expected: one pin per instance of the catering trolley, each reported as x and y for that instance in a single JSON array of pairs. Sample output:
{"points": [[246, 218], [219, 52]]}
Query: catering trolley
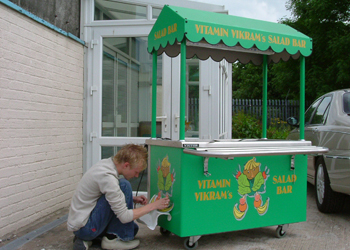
{"points": [[226, 185]]}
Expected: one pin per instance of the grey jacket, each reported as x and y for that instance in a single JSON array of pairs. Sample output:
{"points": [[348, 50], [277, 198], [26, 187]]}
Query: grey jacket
{"points": [[102, 178]]}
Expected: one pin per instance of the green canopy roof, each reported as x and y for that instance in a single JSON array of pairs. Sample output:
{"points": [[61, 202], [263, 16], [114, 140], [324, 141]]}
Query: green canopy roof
{"points": [[222, 36]]}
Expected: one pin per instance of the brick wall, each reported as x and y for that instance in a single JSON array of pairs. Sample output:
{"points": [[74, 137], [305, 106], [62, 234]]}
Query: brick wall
{"points": [[41, 108]]}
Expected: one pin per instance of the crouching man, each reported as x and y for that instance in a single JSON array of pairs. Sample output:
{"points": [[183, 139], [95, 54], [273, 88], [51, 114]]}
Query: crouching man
{"points": [[102, 205]]}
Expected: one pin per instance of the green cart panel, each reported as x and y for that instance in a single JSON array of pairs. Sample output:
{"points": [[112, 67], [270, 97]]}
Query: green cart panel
{"points": [[237, 194]]}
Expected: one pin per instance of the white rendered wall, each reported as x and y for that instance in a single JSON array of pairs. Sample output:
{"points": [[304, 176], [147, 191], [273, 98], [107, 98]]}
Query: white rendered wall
{"points": [[41, 109]]}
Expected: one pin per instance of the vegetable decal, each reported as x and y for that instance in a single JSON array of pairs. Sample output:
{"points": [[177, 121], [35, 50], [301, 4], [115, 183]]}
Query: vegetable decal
{"points": [[251, 183], [165, 178], [165, 183]]}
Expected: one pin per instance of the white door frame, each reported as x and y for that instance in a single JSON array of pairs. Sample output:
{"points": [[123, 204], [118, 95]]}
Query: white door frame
{"points": [[94, 96]]}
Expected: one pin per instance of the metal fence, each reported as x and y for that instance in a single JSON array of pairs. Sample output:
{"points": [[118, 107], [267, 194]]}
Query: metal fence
{"points": [[281, 109], [193, 112]]}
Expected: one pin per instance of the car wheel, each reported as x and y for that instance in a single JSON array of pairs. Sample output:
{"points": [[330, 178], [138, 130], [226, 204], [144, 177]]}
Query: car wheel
{"points": [[327, 200]]}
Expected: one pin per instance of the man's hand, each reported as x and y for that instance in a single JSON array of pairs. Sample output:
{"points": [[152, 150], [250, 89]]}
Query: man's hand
{"points": [[140, 199], [162, 203], [159, 204]]}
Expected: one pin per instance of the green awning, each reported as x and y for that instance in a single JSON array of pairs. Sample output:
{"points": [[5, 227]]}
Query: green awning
{"points": [[221, 36]]}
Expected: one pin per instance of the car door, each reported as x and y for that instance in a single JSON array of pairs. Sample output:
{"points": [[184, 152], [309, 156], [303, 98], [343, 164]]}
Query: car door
{"points": [[315, 121]]}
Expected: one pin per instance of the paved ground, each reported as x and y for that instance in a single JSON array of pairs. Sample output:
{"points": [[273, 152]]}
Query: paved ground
{"points": [[320, 231]]}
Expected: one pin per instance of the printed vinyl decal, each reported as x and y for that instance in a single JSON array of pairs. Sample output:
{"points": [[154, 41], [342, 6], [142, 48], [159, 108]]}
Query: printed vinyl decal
{"points": [[251, 184], [165, 182]]}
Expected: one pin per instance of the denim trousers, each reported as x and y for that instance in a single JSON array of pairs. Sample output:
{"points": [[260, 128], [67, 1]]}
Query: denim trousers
{"points": [[102, 219]]}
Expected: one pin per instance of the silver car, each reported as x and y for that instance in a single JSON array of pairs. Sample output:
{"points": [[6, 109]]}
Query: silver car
{"points": [[327, 124]]}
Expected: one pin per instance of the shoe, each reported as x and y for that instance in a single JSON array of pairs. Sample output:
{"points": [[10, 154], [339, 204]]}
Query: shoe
{"points": [[79, 244], [118, 244]]}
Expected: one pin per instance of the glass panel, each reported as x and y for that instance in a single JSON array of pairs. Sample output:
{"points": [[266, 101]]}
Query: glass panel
{"points": [[115, 10], [122, 106], [134, 132], [97, 14], [346, 102], [137, 184], [135, 69], [320, 115], [192, 119], [193, 74], [122, 132], [108, 88], [310, 111], [134, 47], [127, 87], [193, 112], [156, 12], [107, 152], [106, 17], [120, 43], [108, 131], [108, 95]]}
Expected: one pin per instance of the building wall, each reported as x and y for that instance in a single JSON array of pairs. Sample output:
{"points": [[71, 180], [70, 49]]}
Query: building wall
{"points": [[41, 109], [64, 14]]}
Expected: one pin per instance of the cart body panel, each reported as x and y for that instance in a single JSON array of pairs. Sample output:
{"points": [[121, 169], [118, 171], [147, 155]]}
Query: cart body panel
{"points": [[230, 197]]}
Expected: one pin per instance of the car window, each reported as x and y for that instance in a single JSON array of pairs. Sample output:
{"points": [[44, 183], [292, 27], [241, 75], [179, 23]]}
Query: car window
{"points": [[310, 111], [326, 113], [346, 102], [321, 113]]}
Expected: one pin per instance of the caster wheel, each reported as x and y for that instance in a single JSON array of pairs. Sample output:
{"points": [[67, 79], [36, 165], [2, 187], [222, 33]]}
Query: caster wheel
{"points": [[164, 232], [279, 232], [187, 246]]}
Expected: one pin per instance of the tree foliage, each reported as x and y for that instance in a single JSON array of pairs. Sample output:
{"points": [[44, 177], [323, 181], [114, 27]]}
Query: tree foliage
{"points": [[246, 79], [327, 22]]}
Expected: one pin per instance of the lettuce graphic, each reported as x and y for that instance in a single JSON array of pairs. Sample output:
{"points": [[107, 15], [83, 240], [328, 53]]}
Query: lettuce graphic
{"points": [[168, 182], [160, 180], [243, 185], [248, 187], [258, 182]]}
